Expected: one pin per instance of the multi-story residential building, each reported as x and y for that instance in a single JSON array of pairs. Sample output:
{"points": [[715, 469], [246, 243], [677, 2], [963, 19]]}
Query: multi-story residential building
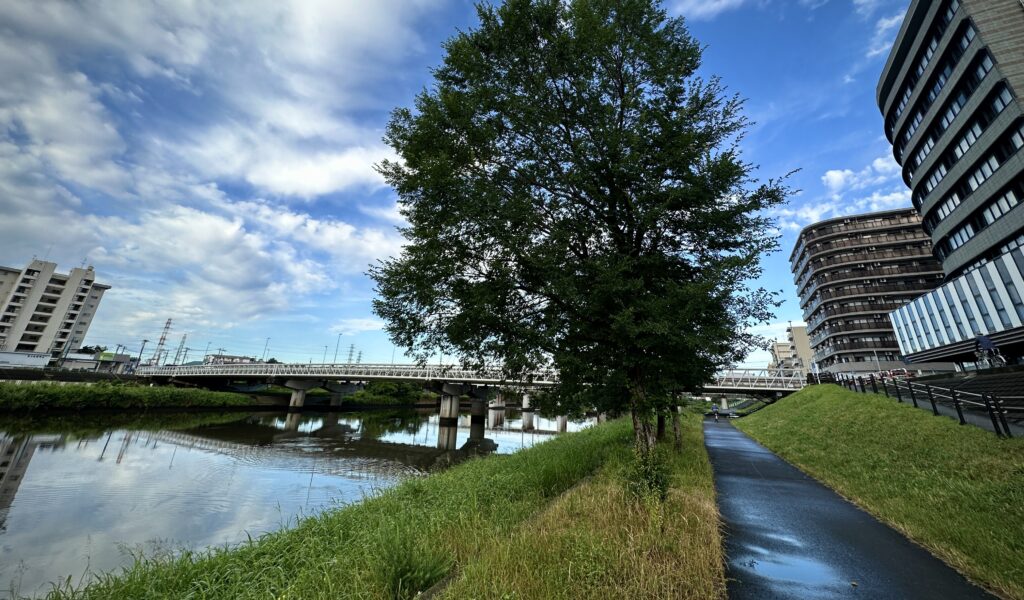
{"points": [[850, 273], [42, 311], [803, 358], [950, 97], [782, 355]]}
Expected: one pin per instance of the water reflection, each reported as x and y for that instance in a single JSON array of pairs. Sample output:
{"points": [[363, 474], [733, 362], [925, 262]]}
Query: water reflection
{"points": [[78, 495]]}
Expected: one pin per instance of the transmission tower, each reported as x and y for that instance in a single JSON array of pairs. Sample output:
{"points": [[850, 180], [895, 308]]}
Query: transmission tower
{"points": [[351, 351], [359, 358], [181, 348], [160, 345]]}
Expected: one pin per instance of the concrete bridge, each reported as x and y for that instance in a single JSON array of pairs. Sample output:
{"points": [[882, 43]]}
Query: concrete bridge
{"points": [[453, 379]]}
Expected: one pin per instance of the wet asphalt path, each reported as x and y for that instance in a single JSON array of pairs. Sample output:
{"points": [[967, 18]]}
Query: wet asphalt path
{"points": [[788, 536]]}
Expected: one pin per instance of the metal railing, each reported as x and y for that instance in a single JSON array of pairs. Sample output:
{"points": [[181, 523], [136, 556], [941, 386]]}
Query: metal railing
{"points": [[1000, 409], [760, 379], [733, 379]]}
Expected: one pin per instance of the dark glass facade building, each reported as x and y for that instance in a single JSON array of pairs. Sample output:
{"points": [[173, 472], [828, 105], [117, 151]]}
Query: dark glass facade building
{"points": [[949, 95], [850, 273]]}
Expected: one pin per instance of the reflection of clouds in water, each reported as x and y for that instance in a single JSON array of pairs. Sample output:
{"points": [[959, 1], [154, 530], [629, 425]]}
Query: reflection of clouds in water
{"points": [[72, 512]]}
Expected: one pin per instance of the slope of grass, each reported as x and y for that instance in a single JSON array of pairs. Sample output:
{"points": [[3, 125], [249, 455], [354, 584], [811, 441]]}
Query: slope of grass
{"points": [[43, 396], [599, 541], [390, 546], [957, 490]]}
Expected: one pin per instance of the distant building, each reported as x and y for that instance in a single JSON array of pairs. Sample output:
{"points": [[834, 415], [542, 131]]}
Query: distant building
{"points": [[45, 312], [227, 359], [950, 97], [802, 356], [782, 355], [850, 273]]}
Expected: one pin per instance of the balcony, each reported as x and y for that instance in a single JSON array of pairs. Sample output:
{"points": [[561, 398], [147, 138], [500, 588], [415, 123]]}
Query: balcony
{"points": [[879, 308], [862, 259], [855, 291], [819, 279], [824, 352], [844, 328], [854, 226]]}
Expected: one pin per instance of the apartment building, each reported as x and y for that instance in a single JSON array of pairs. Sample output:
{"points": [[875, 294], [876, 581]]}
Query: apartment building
{"points": [[43, 311]]}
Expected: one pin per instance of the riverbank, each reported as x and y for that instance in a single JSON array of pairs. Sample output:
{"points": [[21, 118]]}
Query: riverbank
{"points": [[956, 490], [598, 541], [46, 396], [415, 535]]}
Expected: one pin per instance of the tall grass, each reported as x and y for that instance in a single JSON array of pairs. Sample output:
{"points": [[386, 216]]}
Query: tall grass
{"points": [[957, 490], [608, 539], [390, 546], [26, 397]]}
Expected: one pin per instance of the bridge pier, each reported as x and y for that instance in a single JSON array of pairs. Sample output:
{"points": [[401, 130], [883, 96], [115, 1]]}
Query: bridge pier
{"points": [[496, 412], [527, 413], [477, 419], [299, 387], [339, 390], [563, 424], [291, 421]]}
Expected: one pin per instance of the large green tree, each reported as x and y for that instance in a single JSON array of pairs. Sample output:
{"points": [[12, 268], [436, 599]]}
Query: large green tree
{"points": [[576, 199]]}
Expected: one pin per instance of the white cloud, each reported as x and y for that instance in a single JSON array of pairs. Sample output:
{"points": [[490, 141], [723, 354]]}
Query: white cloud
{"points": [[705, 9], [884, 35], [881, 170], [356, 325]]}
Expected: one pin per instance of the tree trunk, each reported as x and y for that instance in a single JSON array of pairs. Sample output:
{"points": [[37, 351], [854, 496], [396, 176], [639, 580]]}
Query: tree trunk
{"points": [[677, 430], [661, 426]]}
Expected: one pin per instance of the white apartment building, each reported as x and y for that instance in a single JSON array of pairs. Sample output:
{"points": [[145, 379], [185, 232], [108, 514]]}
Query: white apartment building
{"points": [[42, 311]]}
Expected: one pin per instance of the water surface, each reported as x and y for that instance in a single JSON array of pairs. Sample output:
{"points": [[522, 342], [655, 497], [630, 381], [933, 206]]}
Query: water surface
{"points": [[80, 495]]}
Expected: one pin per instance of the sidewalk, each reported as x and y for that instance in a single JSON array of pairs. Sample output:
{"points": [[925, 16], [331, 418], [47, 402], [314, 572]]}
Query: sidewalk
{"points": [[788, 536]]}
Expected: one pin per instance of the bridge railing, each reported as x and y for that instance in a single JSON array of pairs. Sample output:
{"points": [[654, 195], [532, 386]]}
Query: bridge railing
{"points": [[355, 372], [760, 379], [733, 379]]}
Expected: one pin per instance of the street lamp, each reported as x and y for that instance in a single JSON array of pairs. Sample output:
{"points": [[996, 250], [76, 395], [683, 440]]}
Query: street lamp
{"points": [[324, 361], [267, 344], [336, 346], [138, 362]]}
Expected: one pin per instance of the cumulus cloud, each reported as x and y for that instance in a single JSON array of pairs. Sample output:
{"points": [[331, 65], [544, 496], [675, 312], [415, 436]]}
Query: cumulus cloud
{"points": [[166, 143], [881, 170]]}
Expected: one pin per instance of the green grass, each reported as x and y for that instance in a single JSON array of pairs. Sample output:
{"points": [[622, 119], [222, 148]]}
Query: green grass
{"points": [[390, 546], [599, 541], [957, 490], [42, 396]]}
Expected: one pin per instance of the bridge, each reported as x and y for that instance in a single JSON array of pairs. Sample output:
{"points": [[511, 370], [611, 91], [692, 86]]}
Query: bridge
{"points": [[296, 376]]}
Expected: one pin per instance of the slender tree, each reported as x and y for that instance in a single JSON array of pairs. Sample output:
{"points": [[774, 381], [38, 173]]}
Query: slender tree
{"points": [[576, 199]]}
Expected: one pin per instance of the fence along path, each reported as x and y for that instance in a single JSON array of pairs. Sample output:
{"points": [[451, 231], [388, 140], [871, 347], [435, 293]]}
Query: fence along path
{"points": [[999, 413]]}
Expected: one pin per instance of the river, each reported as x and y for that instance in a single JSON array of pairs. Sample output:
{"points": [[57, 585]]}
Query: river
{"points": [[80, 495]]}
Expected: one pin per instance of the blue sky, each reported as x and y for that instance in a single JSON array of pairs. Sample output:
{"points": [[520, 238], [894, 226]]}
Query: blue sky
{"points": [[213, 161]]}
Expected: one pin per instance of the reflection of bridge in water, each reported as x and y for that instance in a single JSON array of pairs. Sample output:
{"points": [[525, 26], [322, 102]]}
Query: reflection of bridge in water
{"points": [[341, 445]]}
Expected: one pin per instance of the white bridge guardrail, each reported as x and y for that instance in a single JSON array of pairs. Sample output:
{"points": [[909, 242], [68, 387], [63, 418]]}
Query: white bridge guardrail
{"points": [[731, 379]]}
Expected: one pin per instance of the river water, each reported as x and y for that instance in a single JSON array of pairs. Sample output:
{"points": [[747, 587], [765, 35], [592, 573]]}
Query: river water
{"points": [[79, 496]]}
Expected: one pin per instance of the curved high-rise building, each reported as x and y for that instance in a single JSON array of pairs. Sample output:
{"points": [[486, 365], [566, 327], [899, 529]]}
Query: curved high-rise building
{"points": [[950, 98], [850, 273]]}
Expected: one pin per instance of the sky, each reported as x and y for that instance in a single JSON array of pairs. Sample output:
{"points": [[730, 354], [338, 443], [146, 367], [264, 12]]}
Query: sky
{"points": [[214, 160]]}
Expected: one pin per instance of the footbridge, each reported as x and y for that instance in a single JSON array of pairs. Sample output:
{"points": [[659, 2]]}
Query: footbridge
{"points": [[308, 376]]}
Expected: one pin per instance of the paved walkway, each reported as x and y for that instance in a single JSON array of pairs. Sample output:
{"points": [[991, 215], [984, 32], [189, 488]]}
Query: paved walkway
{"points": [[788, 536]]}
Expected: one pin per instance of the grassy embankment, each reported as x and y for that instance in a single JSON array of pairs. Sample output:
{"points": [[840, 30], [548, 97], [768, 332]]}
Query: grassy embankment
{"points": [[28, 397], [464, 521], [597, 541], [957, 490], [85, 426]]}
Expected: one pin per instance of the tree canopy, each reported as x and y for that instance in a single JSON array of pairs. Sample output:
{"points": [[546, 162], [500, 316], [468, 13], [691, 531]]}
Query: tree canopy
{"points": [[576, 198]]}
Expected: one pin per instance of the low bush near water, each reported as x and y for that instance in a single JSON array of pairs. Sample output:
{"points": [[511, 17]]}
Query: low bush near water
{"points": [[26, 397]]}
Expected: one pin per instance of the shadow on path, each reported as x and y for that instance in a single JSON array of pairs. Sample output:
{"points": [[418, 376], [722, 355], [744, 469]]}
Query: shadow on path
{"points": [[788, 536]]}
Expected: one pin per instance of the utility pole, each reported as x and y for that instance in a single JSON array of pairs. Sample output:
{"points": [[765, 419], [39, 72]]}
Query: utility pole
{"points": [[160, 344], [181, 348], [265, 346], [336, 346], [138, 362]]}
